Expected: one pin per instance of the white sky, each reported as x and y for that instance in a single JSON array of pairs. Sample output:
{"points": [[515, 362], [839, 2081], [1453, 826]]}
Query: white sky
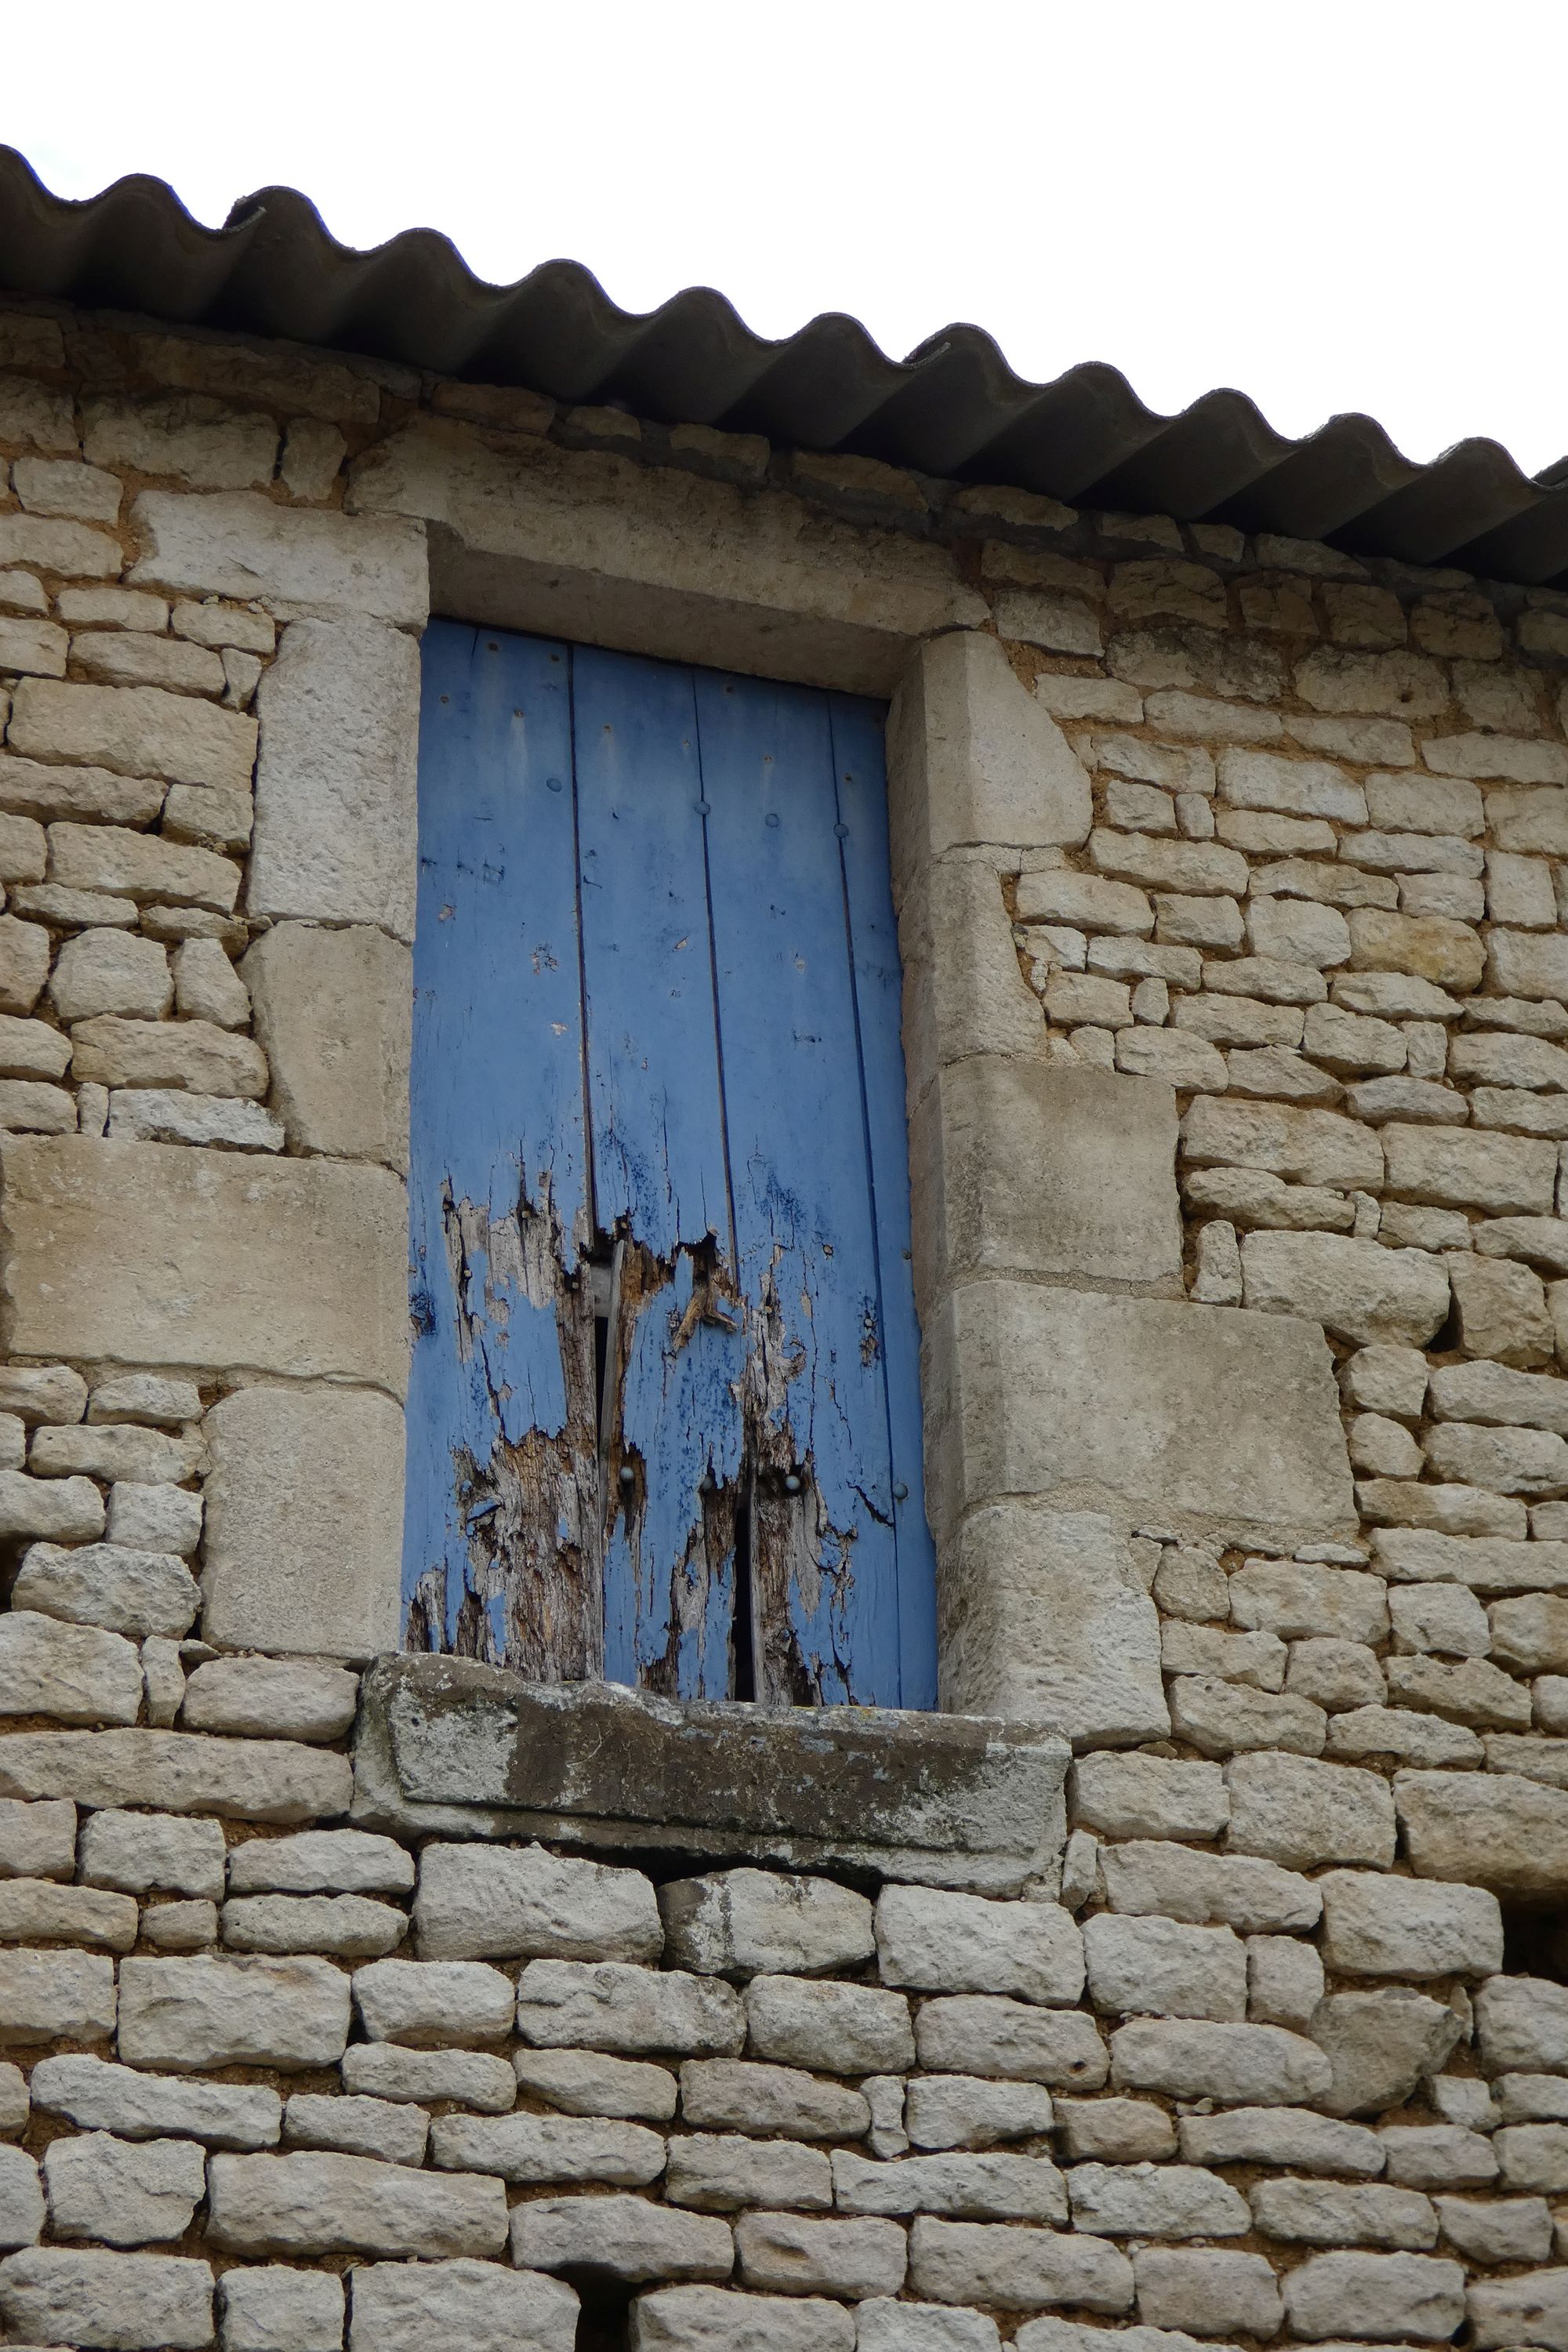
{"points": [[1339, 204]]}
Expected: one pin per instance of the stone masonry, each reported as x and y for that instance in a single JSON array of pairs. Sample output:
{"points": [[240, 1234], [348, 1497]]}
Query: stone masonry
{"points": [[1233, 882]]}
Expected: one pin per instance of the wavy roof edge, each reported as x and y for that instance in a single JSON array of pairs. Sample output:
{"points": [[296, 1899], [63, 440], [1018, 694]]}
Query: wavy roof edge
{"points": [[953, 408]]}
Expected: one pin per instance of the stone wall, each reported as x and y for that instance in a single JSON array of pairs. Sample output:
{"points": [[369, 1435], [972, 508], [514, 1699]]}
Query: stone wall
{"points": [[1238, 1013]]}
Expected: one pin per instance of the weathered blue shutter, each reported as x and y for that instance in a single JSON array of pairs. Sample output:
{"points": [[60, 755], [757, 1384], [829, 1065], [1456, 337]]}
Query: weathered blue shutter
{"points": [[665, 1414]]}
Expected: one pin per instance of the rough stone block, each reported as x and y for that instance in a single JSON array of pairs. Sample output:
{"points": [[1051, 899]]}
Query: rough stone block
{"points": [[1284, 1982], [1281, 2136], [614, 2006], [136, 730], [321, 1862], [406, 2306], [784, 2255], [1495, 1830], [319, 2204], [537, 2149], [620, 2237], [294, 1701], [55, 1996], [108, 1584], [1328, 2214], [974, 2188], [148, 1253], [1358, 1289], [733, 2095], [746, 1922], [1391, 2296], [428, 2003], [36, 1841], [588, 2083], [1528, 2310], [965, 2111], [21, 2198], [983, 2033], [178, 1772], [712, 2319], [1164, 1968], [121, 2303], [1144, 1877], [346, 1926], [186, 2014], [491, 1902], [843, 2028], [1216, 2293], [1013, 2269], [333, 1010], [1238, 2065], [1297, 1810], [719, 2172], [268, 2308], [122, 2192], [1148, 1797], [102, 2097], [76, 1674], [136, 1852], [1166, 2201], [937, 1942], [1379, 2044], [1406, 1927]]}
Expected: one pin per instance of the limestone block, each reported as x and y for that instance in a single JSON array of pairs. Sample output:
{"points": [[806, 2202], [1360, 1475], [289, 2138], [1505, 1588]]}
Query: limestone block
{"points": [[74, 1673], [71, 1508], [1299, 1812], [406, 2306], [732, 2094], [1358, 1289], [347, 1927], [614, 2006], [1440, 1617], [1146, 1878], [188, 435], [963, 992], [149, 1254], [1284, 1982], [1299, 1598], [1015, 2269], [939, 1942], [122, 2192], [1390, 2297], [1438, 2156], [1515, 2229], [1238, 2065], [108, 1584], [333, 1010], [591, 545], [191, 1056], [965, 2111], [1164, 1968], [102, 2097], [1495, 1830], [468, 2078], [979, 759], [335, 779], [154, 1518], [1523, 2025], [742, 1922], [243, 546], [170, 1115], [711, 2319], [321, 1862], [1044, 1620], [1221, 1717], [1281, 2136], [987, 2035], [36, 1841], [427, 2003], [482, 1903], [265, 1695], [719, 2172], [1379, 2045], [1533, 2157], [110, 972], [976, 2188], [135, 731], [55, 1996], [1167, 2201], [1217, 2293], [586, 2083], [186, 2014], [316, 2204], [1199, 1413], [39, 1909], [1148, 1797], [537, 2149], [1528, 2310], [177, 1771], [1100, 1203], [1503, 1174], [21, 2201], [843, 2028], [1328, 2214], [784, 2255], [1118, 2131], [621, 2237], [137, 1851], [304, 1519], [123, 2303], [1530, 1634], [109, 1450], [1529, 964], [268, 2308]]}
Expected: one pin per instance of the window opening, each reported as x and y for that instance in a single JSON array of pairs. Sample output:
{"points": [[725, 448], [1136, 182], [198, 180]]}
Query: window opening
{"points": [[665, 1418]]}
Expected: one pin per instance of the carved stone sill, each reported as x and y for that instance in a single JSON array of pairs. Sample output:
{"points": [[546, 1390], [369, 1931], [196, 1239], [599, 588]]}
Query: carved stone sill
{"points": [[467, 1750]]}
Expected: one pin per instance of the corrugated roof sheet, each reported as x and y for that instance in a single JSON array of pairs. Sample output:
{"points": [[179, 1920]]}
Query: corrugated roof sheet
{"points": [[954, 407]]}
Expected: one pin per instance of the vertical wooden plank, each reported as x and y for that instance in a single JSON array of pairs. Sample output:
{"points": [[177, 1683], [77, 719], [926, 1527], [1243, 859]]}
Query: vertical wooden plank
{"points": [[501, 1545], [824, 1560], [659, 1177], [862, 797]]}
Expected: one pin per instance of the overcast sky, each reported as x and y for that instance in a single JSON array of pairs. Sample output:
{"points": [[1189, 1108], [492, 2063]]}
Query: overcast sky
{"points": [[1357, 205]]}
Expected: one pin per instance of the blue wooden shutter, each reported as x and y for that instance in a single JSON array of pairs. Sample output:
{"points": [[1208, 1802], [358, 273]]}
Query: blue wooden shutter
{"points": [[665, 1413]]}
